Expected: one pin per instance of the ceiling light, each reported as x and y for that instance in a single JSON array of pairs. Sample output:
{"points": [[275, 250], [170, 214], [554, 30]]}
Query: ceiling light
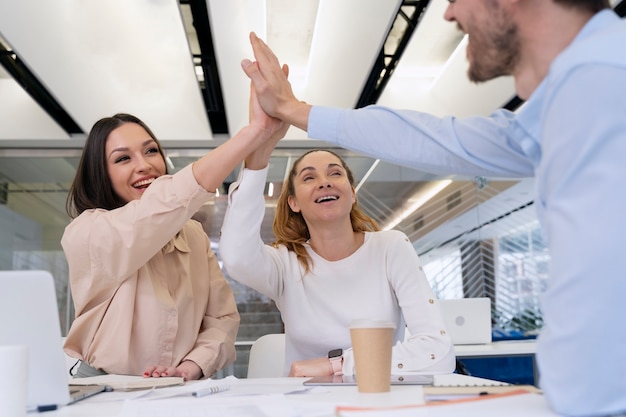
{"points": [[366, 176], [419, 200], [460, 49]]}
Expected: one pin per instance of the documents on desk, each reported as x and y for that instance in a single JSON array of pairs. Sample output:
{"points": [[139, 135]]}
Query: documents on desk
{"points": [[257, 397], [513, 404], [454, 386], [288, 397]]}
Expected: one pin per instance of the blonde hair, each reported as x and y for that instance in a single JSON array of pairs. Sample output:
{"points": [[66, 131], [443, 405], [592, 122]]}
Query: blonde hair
{"points": [[290, 228]]}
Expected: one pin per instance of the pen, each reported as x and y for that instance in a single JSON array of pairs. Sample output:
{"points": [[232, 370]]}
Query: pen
{"points": [[211, 390], [44, 408]]}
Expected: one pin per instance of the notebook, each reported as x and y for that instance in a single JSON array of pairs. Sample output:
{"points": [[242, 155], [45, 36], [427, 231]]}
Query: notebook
{"points": [[29, 316], [468, 320], [409, 379], [129, 382]]}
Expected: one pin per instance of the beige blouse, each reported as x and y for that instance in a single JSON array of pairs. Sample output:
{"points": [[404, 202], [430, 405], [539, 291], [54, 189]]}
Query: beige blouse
{"points": [[147, 288]]}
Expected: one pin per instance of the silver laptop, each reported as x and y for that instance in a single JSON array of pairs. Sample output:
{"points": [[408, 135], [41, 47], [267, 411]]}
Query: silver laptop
{"points": [[468, 320], [29, 316]]}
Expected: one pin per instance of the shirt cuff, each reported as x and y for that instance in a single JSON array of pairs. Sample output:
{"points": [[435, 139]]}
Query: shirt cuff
{"points": [[186, 187], [348, 362], [323, 122], [255, 179]]}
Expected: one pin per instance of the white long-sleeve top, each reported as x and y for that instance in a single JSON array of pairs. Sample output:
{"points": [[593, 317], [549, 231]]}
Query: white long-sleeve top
{"points": [[382, 280]]}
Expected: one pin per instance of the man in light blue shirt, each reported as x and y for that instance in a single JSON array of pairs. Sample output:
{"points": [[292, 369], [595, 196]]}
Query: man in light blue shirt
{"points": [[568, 59]]}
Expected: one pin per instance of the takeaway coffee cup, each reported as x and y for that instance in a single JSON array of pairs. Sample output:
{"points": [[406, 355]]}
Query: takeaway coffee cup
{"points": [[13, 385], [372, 341]]}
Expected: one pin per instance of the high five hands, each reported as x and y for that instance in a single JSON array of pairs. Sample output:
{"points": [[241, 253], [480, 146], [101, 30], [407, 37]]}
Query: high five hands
{"points": [[272, 88]]}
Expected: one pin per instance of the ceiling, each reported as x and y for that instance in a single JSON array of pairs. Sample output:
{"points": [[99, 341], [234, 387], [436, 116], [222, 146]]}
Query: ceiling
{"points": [[90, 59], [100, 57]]}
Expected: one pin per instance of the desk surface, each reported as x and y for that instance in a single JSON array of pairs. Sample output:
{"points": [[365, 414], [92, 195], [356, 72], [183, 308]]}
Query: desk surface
{"points": [[263, 397]]}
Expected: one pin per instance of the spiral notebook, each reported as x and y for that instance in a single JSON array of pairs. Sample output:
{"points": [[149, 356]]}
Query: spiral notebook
{"points": [[128, 382]]}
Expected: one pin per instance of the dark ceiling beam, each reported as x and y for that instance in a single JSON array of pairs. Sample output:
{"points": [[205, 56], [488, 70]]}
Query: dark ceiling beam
{"points": [[34, 88], [386, 62], [620, 8], [211, 87]]}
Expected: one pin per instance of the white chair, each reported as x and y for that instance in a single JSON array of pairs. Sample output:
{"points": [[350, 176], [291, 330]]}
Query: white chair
{"points": [[267, 356]]}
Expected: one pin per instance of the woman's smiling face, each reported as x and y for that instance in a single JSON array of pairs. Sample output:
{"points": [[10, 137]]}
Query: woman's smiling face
{"points": [[133, 161], [322, 188]]}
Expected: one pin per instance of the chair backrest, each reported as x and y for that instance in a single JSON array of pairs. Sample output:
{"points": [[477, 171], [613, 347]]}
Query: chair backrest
{"points": [[267, 356]]}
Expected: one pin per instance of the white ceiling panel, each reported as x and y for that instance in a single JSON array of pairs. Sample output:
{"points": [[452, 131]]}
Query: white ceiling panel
{"points": [[461, 97], [106, 56], [347, 39], [231, 22], [21, 118]]}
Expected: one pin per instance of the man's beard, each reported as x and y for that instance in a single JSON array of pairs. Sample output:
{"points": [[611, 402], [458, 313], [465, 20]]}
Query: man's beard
{"points": [[495, 51]]}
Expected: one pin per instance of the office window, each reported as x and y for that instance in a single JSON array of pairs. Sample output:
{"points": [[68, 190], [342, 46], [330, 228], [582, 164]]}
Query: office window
{"points": [[491, 248]]}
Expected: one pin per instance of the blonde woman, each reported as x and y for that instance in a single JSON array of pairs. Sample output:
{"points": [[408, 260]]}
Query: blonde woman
{"points": [[330, 265]]}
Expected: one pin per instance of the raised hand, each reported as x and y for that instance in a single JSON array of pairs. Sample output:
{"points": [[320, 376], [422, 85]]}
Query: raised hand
{"points": [[275, 128], [272, 86]]}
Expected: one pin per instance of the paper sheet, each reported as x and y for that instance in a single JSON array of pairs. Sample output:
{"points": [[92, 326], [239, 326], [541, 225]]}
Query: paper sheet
{"points": [[518, 405], [249, 398]]}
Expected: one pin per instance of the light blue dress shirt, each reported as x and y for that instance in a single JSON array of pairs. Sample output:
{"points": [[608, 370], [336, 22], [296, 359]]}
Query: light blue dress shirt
{"points": [[571, 136]]}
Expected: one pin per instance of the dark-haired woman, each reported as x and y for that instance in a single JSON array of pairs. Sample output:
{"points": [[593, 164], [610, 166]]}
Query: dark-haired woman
{"points": [[149, 296]]}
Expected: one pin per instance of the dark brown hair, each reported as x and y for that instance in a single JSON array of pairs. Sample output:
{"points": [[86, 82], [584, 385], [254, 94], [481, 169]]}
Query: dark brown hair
{"points": [[92, 186], [290, 228]]}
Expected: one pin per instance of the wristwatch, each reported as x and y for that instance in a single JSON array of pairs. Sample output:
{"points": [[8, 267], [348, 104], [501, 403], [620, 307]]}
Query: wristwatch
{"points": [[335, 357]]}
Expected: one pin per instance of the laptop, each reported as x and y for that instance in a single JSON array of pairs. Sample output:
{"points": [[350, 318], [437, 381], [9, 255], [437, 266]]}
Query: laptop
{"points": [[29, 316], [408, 379], [468, 320]]}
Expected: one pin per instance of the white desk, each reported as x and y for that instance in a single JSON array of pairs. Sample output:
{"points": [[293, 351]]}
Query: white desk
{"points": [[525, 347], [319, 401]]}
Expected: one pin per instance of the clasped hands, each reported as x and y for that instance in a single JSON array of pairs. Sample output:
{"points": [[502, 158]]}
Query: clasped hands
{"points": [[188, 370]]}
